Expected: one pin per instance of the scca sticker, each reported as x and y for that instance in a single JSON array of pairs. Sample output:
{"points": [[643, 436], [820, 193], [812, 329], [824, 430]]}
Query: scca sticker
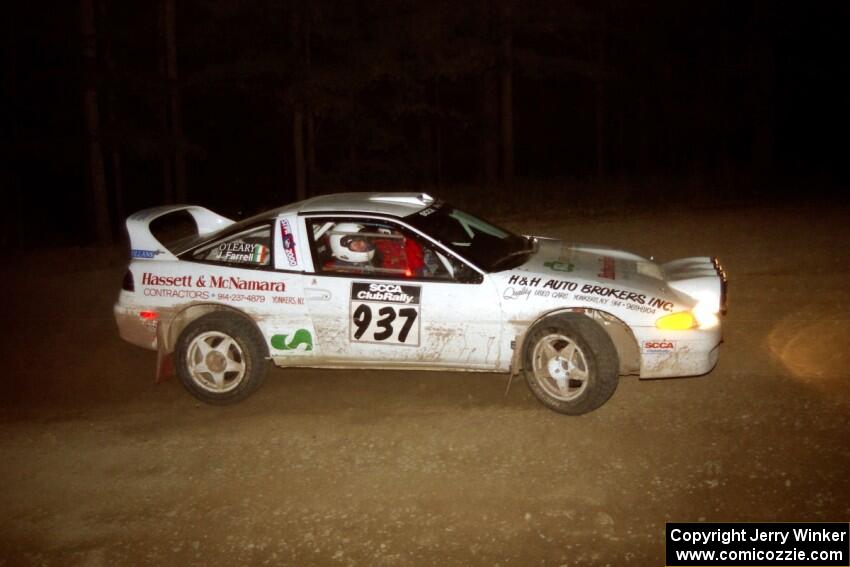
{"points": [[658, 346], [384, 313]]}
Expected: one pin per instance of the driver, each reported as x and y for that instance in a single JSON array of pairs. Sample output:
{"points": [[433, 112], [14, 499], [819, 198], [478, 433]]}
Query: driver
{"points": [[350, 250]]}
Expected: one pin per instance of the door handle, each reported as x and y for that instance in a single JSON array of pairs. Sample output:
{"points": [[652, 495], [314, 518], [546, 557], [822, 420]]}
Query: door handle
{"points": [[317, 294]]}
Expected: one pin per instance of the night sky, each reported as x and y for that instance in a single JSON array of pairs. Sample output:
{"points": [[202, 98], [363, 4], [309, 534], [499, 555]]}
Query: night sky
{"points": [[665, 103]]}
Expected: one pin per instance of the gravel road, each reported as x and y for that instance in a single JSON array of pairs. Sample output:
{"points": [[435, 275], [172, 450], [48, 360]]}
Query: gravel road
{"points": [[100, 466]]}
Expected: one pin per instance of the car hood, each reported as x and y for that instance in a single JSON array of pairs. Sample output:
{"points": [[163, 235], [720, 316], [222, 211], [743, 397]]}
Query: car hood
{"points": [[592, 262]]}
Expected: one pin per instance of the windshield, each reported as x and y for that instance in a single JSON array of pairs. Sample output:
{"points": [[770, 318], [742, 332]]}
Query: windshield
{"points": [[487, 246]]}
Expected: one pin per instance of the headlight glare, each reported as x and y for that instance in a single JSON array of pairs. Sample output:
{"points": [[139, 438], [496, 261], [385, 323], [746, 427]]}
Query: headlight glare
{"points": [[681, 321], [706, 314]]}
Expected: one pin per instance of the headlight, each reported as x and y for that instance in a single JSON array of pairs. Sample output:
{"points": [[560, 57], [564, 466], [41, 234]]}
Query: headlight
{"points": [[703, 315], [681, 321]]}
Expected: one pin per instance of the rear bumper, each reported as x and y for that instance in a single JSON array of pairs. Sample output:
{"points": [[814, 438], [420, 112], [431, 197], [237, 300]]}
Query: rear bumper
{"points": [[133, 329], [669, 354]]}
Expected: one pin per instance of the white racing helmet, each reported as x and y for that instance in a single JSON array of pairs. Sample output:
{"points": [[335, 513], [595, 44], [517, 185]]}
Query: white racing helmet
{"points": [[342, 238]]}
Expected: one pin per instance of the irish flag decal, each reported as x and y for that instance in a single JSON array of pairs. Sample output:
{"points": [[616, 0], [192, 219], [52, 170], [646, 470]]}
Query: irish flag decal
{"points": [[260, 254]]}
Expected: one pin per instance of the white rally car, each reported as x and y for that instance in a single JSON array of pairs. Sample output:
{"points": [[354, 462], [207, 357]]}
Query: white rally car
{"points": [[400, 280]]}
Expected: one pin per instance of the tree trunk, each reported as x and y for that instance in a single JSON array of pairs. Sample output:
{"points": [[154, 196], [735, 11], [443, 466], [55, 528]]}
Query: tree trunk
{"points": [[97, 179], [438, 150], [174, 101], [490, 139], [487, 28], [666, 156], [298, 145], [600, 103], [765, 70], [310, 125], [164, 109], [700, 126], [118, 184], [299, 55], [507, 98], [167, 182], [436, 125], [425, 169], [13, 214], [621, 143], [354, 155], [643, 125], [111, 122], [721, 104], [600, 130], [312, 166]]}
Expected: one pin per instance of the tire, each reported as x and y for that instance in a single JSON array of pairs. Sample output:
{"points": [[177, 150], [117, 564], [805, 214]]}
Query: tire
{"points": [[220, 358], [570, 363]]}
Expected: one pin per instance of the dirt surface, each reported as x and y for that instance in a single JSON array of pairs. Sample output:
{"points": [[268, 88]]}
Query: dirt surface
{"points": [[100, 466]]}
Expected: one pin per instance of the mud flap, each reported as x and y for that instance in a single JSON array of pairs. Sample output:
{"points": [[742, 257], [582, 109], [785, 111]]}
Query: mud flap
{"points": [[516, 361], [164, 363]]}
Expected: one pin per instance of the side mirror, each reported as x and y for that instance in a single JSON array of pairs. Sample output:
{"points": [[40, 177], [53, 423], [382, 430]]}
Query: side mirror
{"points": [[465, 274]]}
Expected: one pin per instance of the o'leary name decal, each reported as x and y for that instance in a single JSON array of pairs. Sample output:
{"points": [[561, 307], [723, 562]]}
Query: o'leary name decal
{"points": [[384, 313], [243, 252]]}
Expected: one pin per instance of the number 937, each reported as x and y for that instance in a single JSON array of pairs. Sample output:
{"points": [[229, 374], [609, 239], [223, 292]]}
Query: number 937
{"points": [[385, 324]]}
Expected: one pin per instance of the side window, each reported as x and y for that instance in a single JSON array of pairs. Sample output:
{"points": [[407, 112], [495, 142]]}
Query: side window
{"points": [[250, 248], [375, 247]]}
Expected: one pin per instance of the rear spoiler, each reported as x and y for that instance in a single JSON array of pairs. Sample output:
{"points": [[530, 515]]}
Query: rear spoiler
{"points": [[143, 244]]}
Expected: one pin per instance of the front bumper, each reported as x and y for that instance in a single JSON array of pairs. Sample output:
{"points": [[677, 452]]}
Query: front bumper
{"points": [[669, 354]]}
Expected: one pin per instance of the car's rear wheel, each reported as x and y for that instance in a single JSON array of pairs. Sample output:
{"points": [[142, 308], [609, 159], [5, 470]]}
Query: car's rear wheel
{"points": [[220, 358], [570, 363]]}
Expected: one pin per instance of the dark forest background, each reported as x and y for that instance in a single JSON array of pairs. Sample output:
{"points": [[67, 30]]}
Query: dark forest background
{"points": [[242, 105]]}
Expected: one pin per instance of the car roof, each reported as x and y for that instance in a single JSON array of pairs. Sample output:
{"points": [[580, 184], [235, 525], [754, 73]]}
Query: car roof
{"points": [[392, 204], [397, 205]]}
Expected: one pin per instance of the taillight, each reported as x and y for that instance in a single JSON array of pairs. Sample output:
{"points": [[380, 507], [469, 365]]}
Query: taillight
{"points": [[128, 284]]}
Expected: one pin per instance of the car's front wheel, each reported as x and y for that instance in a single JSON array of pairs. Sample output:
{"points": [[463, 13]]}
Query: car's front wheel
{"points": [[570, 363], [220, 358]]}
